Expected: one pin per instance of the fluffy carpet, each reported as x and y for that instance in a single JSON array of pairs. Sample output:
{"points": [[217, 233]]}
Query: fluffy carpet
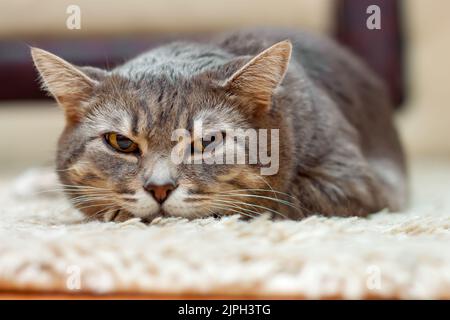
{"points": [[46, 246]]}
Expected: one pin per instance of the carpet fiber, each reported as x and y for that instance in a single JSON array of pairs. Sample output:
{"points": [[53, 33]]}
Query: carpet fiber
{"points": [[46, 246]]}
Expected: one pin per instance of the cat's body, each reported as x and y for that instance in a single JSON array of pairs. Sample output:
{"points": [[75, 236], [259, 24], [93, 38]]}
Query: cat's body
{"points": [[339, 150]]}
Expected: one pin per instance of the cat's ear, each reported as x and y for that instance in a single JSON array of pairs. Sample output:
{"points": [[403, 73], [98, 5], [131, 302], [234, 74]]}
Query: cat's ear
{"points": [[256, 81], [71, 86]]}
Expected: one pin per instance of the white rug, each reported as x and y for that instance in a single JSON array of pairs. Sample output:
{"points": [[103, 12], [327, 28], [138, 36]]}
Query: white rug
{"points": [[44, 245]]}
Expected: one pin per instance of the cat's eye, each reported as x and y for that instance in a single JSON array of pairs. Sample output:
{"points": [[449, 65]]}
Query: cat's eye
{"points": [[121, 143]]}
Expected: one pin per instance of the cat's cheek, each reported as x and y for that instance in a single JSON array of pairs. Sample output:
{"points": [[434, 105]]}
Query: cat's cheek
{"points": [[144, 205], [176, 206]]}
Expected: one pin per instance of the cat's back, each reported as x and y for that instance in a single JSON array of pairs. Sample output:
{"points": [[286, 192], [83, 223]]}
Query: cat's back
{"points": [[356, 90]]}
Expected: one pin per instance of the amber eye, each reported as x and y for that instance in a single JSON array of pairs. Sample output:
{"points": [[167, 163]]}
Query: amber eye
{"points": [[121, 143]]}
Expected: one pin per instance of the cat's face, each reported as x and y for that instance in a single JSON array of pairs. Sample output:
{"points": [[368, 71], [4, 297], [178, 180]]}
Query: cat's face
{"points": [[120, 151]]}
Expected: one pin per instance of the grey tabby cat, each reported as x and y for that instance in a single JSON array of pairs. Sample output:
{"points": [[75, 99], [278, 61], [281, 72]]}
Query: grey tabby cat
{"points": [[339, 152]]}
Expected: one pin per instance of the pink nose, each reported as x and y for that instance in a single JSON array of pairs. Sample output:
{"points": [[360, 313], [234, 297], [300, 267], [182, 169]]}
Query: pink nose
{"points": [[159, 192]]}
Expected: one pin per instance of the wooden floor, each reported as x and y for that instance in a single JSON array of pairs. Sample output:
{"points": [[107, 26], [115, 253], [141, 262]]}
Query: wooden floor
{"points": [[24, 295]]}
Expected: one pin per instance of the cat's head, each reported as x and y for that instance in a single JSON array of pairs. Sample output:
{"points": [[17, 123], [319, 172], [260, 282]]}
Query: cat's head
{"points": [[116, 154]]}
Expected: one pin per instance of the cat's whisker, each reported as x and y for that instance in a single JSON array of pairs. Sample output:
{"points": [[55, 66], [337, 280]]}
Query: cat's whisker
{"points": [[70, 191], [241, 208], [287, 203], [300, 210], [97, 202], [232, 210], [76, 195], [252, 205], [86, 200], [102, 212], [98, 196], [87, 192], [260, 190], [62, 191], [211, 212], [96, 214], [76, 190], [268, 184], [83, 189], [77, 186], [91, 203]]}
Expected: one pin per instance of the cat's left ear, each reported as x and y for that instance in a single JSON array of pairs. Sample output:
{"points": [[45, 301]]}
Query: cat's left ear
{"points": [[256, 81], [71, 86]]}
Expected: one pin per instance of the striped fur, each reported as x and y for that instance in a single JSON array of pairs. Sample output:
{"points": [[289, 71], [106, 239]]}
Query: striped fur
{"points": [[335, 122]]}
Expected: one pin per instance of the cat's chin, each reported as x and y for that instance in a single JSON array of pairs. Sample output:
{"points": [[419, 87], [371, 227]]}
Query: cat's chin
{"points": [[152, 216], [164, 213]]}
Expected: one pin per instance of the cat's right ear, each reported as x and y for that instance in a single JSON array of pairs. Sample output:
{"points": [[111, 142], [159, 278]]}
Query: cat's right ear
{"points": [[71, 86], [257, 80]]}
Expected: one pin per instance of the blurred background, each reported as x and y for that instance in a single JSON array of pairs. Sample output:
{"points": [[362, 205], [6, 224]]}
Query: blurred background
{"points": [[411, 52]]}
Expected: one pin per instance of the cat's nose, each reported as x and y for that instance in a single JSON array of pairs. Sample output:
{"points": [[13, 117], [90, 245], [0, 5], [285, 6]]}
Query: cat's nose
{"points": [[159, 192]]}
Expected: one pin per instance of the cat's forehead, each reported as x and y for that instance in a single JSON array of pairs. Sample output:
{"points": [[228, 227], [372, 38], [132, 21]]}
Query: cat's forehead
{"points": [[178, 59], [160, 106]]}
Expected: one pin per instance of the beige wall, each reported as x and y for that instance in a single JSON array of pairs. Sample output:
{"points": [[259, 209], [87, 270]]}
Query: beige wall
{"points": [[113, 17], [426, 121], [28, 132]]}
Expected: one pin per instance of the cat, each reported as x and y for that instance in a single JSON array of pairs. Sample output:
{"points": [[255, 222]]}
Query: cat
{"points": [[339, 152]]}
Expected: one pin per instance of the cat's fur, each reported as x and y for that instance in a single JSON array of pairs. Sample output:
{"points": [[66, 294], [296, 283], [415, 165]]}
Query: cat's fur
{"points": [[339, 150]]}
